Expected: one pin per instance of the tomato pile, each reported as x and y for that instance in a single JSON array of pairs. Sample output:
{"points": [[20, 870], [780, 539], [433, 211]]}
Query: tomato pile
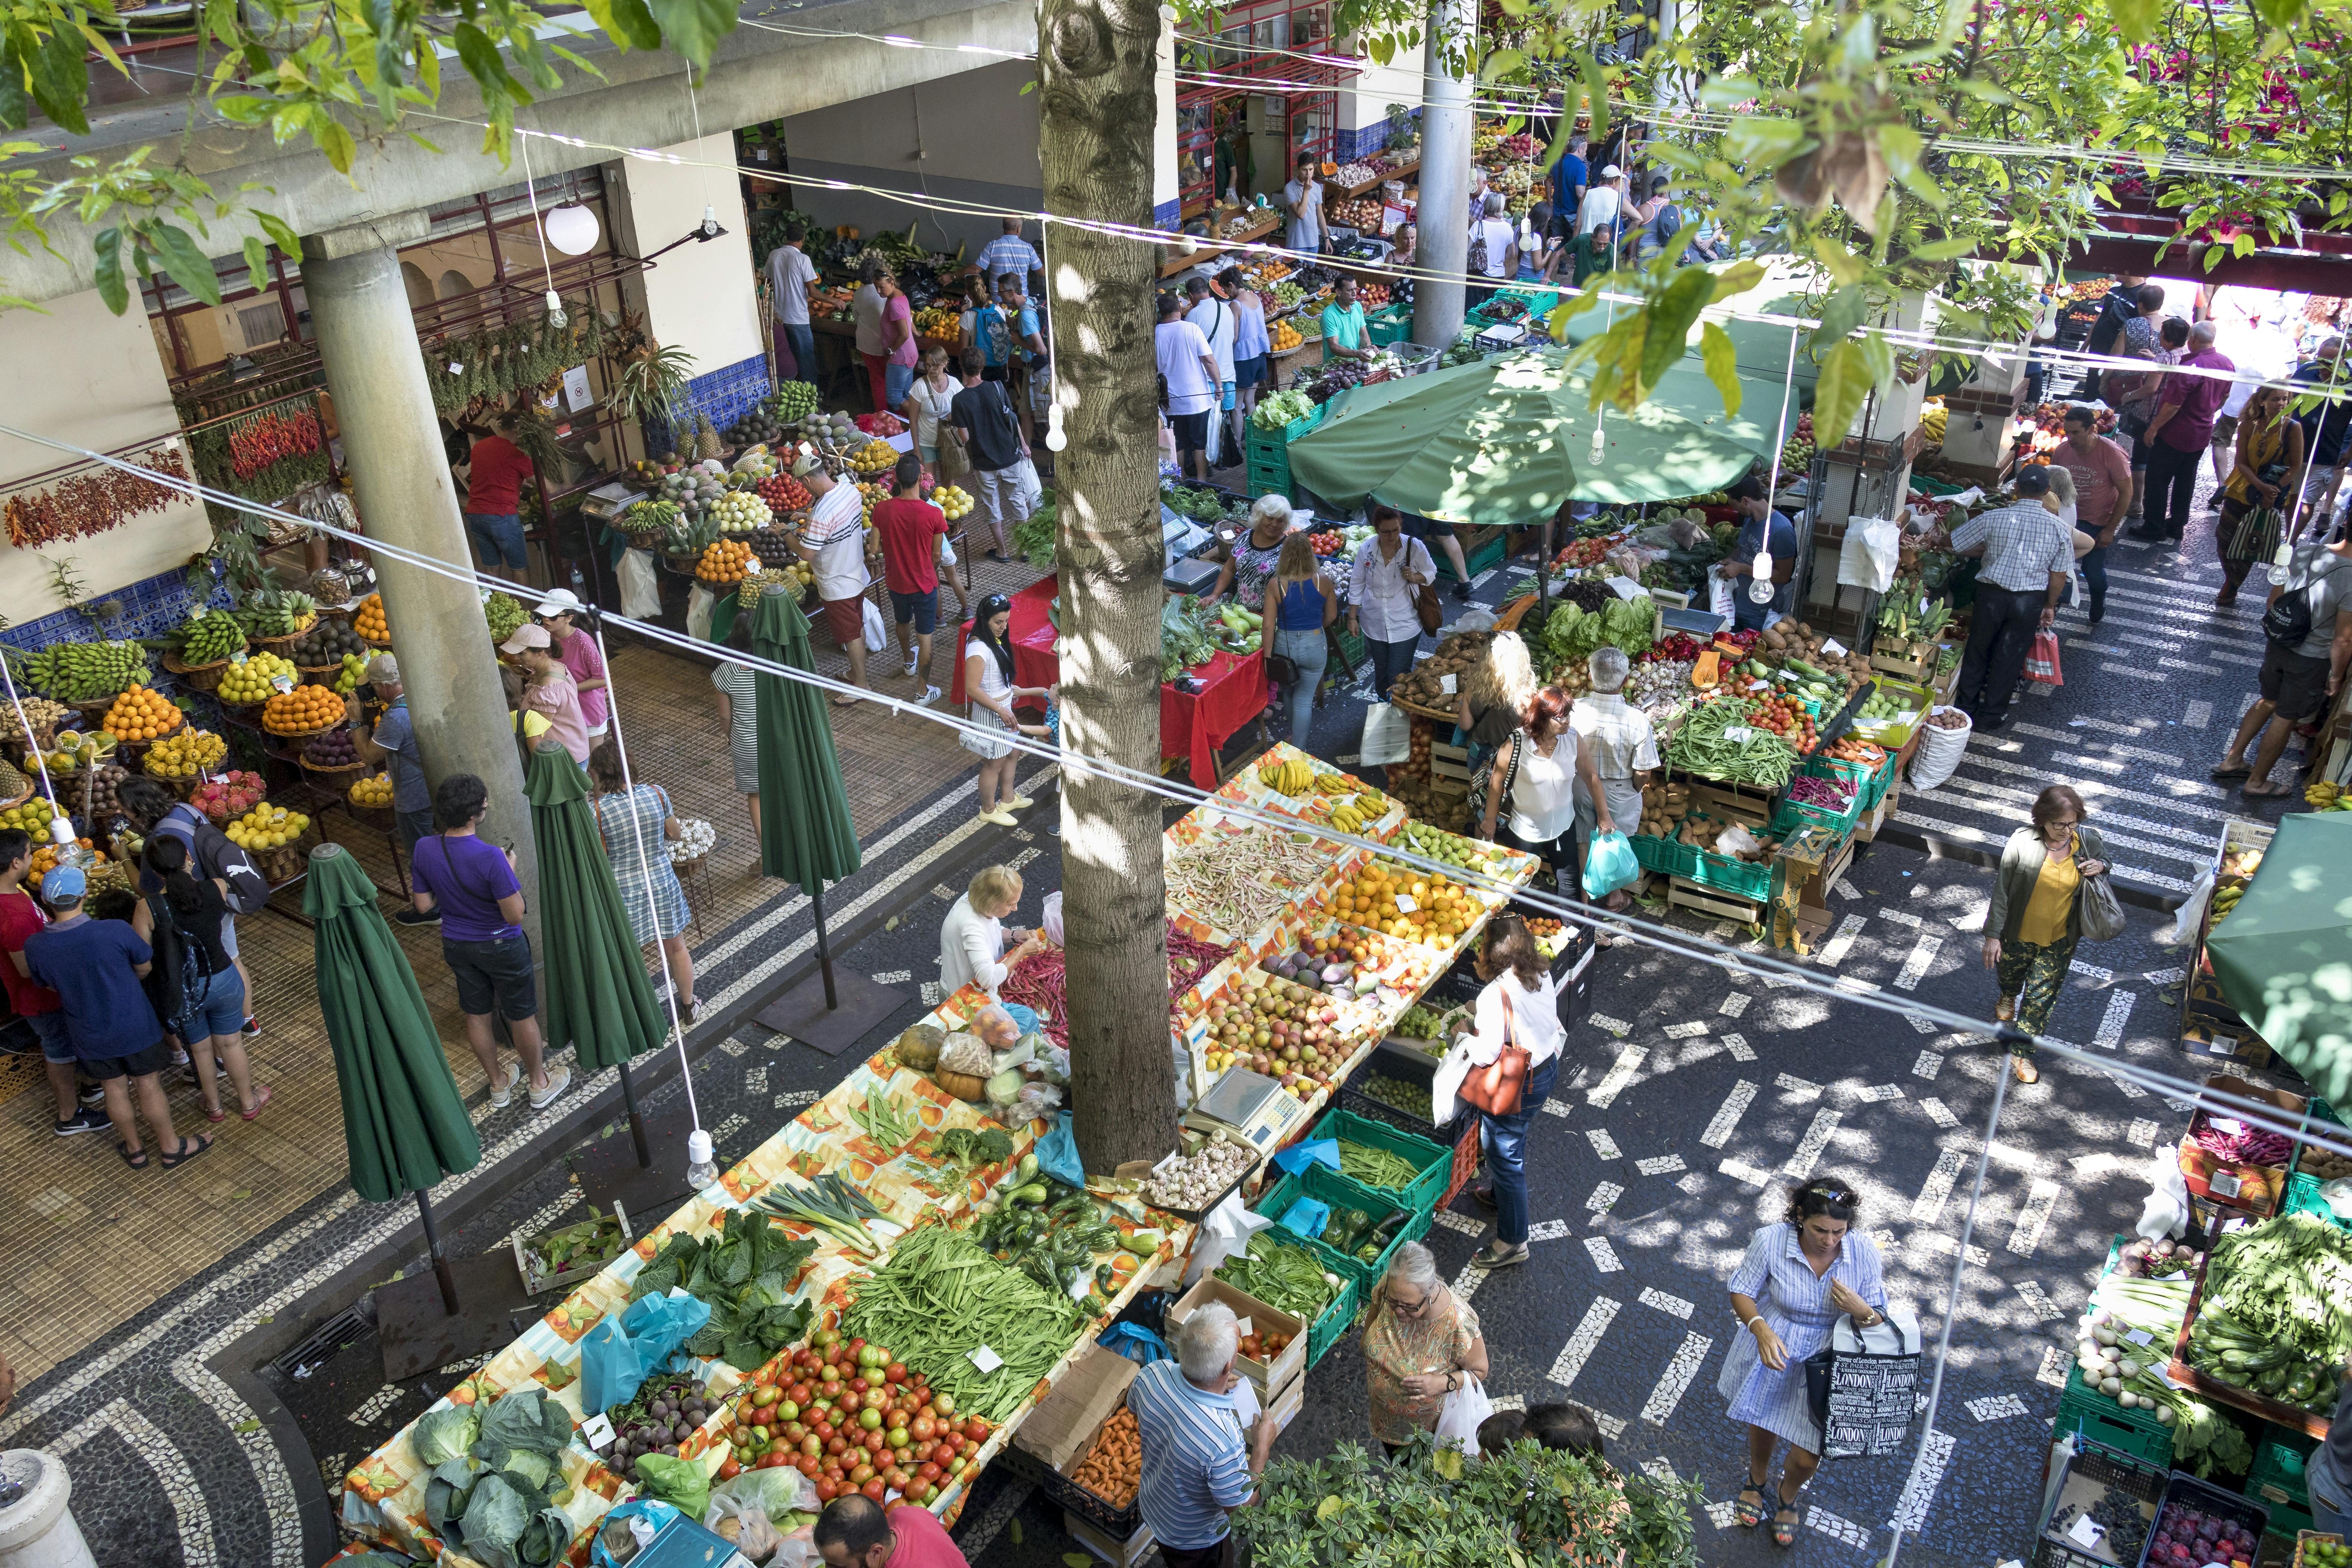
{"points": [[1583, 552], [1785, 717], [1328, 543], [851, 1419], [784, 494]]}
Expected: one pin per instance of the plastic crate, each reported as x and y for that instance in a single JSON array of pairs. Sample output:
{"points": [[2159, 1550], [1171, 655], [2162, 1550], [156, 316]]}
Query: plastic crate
{"points": [[1268, 454], [1725, 874], [1389, 324], [2204, 1497], [1870, 783], [1408, 1066], [2085, 1410], [2092, 1469], [1891, 733], [2276, 1476], [1792, 816], [1433, 1162], [1465, 1162], [1319, 1180], [1664, 855], [1068, 1495], [2303, 1197]]}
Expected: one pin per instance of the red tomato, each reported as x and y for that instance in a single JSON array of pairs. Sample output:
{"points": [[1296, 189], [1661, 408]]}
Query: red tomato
{"points": [[862, 1474], [827, 1491], [930, 1472], [729, 1470], [951, 1443], [836, 1444], [894, 1373], [875, 1441], [799, 1392], [775, 1461], [849, 1351], [876, 1489], [975, 1430], [809, 1467], [924, 1428], [857, 1384]]}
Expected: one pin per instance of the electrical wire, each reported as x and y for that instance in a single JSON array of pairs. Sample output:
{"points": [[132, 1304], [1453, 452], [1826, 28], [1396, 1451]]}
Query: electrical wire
{"points": [[1664, 939]]}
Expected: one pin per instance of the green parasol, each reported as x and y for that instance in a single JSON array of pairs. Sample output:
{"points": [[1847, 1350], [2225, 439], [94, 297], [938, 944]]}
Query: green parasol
{"points": [[405, 1123], [805, 832], [597, 995], [1507, 439], [2284, 955]]}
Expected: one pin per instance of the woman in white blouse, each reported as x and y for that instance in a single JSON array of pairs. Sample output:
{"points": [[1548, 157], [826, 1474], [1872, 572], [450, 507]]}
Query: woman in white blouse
{"points": [[1519, 1007], [1388, 568], [971, 938], [1532, 790]]}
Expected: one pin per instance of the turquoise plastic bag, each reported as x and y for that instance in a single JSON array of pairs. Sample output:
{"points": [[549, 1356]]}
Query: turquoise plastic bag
{"points": [[610, 1367], [1305, 1217], [1058, 1154], [659, 1324], [1609, 865]]}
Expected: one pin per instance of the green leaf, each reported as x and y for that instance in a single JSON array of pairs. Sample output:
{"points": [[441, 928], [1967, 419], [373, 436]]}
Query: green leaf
{"points": [[1837, 396], [1736, 278], [1596, 84], [256, 258], [2283, 14], [59, 83], [483, 63], [694, 28], [1763, 141], [1721, 356], [190, 267], [113, 291], [333, 142], [1671, 315], [15, 105], [1502, 63], [1839, 318], [1944, 250]]}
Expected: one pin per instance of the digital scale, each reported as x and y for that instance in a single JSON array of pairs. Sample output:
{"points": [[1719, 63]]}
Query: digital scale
{"points": [[1251, 1107], [605, 503], [1500, 336]]}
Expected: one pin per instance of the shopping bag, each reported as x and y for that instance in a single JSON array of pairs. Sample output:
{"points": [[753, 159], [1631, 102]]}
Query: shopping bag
{"points": [[1609, 865], [1057, 1155], [1445, 1088], [1862, 1384], [2041, 660], [1465, 1408], [878, 631], [659, 1324], [1224, 1230], [640, 590], [700, 603], [610, 1367], [1388, 735], [1718, 595], [2103, 912], [1871, 551]]}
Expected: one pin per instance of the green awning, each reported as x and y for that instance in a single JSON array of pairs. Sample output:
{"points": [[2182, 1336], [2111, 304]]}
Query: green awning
{"points": [[1507, 439], [2284, 955]]}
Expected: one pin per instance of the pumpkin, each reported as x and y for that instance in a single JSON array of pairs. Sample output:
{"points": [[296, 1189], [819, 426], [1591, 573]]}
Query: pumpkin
{"points": [[962, 1085], [919, 1047]]}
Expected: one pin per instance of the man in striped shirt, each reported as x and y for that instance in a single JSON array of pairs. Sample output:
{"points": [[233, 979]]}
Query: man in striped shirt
{"points": [[1008, 252], [2029, 556], [1196, 1466]]}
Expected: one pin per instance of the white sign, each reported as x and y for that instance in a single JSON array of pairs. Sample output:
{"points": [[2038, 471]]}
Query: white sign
{"points": [[2086, 1531], [2139, 1336], [1739, 732], [598, 1430], [1241, 1329], [1832, 649], [1391, 217], [576, 396], [986, 1359], [1626, 588], [901, 442], [1405, 905], [1445, 684]]}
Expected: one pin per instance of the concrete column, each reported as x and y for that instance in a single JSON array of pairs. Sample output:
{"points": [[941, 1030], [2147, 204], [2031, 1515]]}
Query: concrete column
{"points": [[392, 442], [1442, 229]]}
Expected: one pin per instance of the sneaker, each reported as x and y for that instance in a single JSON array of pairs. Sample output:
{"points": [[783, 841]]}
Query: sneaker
{"points": [[410, 917], [1462, 591], [88, 1119], [930, 695], [250, 1028], [1001, 817], [1018, 803], [909, 671], [93, 1095], [557, 1082], [502, 1091]]}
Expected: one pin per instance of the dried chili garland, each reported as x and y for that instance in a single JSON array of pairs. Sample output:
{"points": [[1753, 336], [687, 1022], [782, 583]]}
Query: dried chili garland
{"points": [[92, 502], [271, 439]]}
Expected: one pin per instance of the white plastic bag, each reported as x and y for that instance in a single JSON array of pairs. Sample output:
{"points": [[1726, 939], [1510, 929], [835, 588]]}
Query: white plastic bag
{"points": [[2192, 913], [1718, 595], [2165, 1213], [640, 593], [1873, 549], [1050, 919], [700, 603], [878, 631], [1224, 1230], [1388, 735], [1464, 1408], [1445, 1088], [1940, 749]]}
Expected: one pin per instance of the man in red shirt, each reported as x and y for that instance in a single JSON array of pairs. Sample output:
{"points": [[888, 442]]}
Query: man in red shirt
{"points": [[2102, 489], [39, 1006], [494, 498], [910, 529], [2186, 408], [854, 1532]]}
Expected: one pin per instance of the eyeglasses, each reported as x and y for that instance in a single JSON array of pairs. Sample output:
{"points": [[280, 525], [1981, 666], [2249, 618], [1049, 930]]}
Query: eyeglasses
{"points": [[1413, 1308]]}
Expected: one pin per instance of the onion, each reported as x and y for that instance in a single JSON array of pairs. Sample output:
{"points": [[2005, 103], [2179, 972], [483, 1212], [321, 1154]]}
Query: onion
{"points": [[2127, 1399], [2164, 1414], [2111, 1386], [2106, 1336], [2129, 1369]]}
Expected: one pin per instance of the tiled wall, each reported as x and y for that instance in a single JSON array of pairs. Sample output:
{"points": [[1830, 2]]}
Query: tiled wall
{"points": [[726, 395], [149, 609], [1360, 145], [1167, 217]]}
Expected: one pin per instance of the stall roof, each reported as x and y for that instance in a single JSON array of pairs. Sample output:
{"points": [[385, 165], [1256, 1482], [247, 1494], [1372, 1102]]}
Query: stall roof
{"points": [[2285, 956]]}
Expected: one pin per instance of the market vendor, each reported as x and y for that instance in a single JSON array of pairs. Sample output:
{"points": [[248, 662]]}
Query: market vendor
{"points": [[1760, 528], [1617, 736], [1196, 1466], [1345, 335], [1252, 559], [973, 937]]}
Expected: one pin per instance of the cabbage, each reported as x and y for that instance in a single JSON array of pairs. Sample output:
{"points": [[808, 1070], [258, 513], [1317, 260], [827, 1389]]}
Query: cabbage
{"points": [[1005, 1088], [531, 1469], [524, 1419], [681, 1483], [440, 1435], [495, 1517], [547, 1538], [447, 1492]]}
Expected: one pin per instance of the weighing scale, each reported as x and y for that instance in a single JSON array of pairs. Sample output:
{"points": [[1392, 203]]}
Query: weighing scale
{"points": [[1251, 1107], [1500, 336], [605, 503], [1700, 623]]}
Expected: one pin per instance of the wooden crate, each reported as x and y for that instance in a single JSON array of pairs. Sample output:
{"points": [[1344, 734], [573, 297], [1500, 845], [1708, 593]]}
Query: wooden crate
{"points": [[1683, 893], [1730, 802], [1449, 762], [1906, 661]]}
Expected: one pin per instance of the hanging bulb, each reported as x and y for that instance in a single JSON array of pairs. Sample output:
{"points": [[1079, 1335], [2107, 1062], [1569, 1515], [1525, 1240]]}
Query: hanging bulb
{"points": [[556, 315], [1760, 586], [701, 1171], [1054, 441], [1600, 443]]}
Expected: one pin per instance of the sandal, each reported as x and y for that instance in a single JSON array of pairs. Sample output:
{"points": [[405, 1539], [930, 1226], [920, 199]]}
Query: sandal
{"points": [[2254, 791], [1748, 1507], [189, 1149], [2233, 769], [134, 1158], [2005, 1010], [1495, 1255], [1785, 1525], [215, 1114], [260, 1099]]}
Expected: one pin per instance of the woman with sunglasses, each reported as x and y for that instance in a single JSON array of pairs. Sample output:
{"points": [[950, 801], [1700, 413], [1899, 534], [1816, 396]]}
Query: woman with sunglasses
{"points": [[1421, 1342], [1799, 1278]]}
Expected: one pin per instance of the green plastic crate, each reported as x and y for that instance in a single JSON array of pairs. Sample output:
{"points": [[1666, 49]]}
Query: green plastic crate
{"points": [[1870, 783], [2138, 1433], [1389, 324], [2277, 1477], [1331, 1324], [1664, 856], [1724, 874], [1319, 1180], [1792, 816], [2303, 1197], [1434, 1163]]}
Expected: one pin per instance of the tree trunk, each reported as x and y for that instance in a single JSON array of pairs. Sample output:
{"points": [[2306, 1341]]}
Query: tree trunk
{"points": [[1095, 128]]}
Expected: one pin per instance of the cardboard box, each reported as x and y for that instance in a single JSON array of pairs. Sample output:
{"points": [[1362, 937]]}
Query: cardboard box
{"points": [[1118, 1554], [1271, 1377], [2255, 1189], [1062, 1428]]}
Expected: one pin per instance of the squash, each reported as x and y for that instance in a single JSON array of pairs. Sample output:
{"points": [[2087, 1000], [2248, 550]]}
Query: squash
{"points": [[1707, 669], [964, 1086], [919, 1047]]}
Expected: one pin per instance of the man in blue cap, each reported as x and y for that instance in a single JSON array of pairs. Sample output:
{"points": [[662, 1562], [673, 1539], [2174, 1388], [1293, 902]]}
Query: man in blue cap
{"points": [[95, 967]]}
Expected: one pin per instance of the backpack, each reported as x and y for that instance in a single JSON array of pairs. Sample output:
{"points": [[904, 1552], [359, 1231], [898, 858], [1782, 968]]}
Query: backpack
{"points": [[248, 889], [178, 977], [996, 337], [2287, 622]]}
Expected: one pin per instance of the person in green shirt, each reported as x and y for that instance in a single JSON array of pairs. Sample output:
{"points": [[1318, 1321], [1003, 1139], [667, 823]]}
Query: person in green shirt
{"points": [[1343, 323], [1595, 252]]}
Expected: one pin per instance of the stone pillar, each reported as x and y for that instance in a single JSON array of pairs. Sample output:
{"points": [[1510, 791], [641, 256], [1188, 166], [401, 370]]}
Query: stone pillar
{"points": [[1442, 222], [391, 444]]}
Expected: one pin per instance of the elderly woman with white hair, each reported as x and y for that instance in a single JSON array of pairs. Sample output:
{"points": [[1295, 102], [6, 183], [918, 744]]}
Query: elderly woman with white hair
{"points": [[973, 937], [1621, 742], [1254, 557], [1421, 1342], [1196, 1468]]}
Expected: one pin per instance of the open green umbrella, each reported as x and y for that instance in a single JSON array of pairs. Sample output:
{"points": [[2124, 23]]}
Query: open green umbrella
{"points": [[1507, 439], [805, 832], [597, 995], [405, 1123], [2284, 955]]}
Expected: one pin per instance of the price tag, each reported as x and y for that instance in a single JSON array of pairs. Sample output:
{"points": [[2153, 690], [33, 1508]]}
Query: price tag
{"points": [[1405, 905], [986, 1359], [2225, 1184], [2217, 1047], [456, 369], [281, 683], [2086, 1531], [1445, 684], [2139, 1336], [598, 1430], [1739, 732], [1241, 1329], [1832, 649], [237, 658]]}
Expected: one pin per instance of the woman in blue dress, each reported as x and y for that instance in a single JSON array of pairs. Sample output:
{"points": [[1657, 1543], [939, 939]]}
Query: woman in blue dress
{"points": [[1799, 1278]]}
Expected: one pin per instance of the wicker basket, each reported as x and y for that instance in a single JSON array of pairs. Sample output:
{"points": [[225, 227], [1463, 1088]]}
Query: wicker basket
{"points": [[95, 712], [338, 778], [197, 677], [280, 644], [282, 865], [29, 787], [319, 674], [139, 747], [283, 736]]}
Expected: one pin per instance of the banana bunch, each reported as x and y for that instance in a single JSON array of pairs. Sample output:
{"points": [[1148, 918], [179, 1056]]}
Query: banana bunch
{"points": [[2323, 795], [209, 638], [86, 671], [1371, 804], [1347, 818], [277, 612], [2225, 901], [1292, 777]]}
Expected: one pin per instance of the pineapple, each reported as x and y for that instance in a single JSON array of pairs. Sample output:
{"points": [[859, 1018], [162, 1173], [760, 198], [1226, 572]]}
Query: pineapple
{"points": [[12, 782], [706, 439]]}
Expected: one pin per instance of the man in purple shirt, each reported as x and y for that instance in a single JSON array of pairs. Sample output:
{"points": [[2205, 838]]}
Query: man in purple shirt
{"points": [[2178, 435]]}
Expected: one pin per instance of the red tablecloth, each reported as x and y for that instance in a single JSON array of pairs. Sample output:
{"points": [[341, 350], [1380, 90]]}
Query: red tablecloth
{"points": [[1195, 726], [1031, 633]]}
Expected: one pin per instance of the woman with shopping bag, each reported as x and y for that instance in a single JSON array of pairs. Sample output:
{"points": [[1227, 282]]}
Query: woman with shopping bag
{"points": [[1504, 1070], [2052, 880], [1799, 1278], [1424, 1357]]}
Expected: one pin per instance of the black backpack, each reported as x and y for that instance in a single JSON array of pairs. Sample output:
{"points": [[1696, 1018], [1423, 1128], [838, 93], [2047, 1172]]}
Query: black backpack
{"points": [[2287, 622], [216, 856]]}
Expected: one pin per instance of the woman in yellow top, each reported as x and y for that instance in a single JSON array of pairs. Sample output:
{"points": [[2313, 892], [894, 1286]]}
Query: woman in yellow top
{"points": [[1421, 1342], [2270, 450], [2036, 915]]}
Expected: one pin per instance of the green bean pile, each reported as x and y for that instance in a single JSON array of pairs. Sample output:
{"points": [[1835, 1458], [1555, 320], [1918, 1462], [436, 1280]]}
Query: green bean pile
{"points": [[1280, 1274], [1376, 1167], [1700, 746], [939, 1298]]}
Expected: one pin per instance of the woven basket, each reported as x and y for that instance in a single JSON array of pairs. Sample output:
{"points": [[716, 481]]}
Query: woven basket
{"points": [[284, 735], [139, 746], [280, 644], [319, 674], [93, 712], [283, 864], [332, 778], [197, 677], [21, 799]]}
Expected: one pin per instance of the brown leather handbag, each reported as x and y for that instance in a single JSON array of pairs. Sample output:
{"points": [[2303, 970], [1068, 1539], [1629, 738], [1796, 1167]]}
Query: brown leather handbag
{"points": [[1427, 605], [1497, 1088]]}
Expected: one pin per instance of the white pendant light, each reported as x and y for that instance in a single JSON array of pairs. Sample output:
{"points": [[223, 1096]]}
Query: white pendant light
{"points": [[571, 228]]}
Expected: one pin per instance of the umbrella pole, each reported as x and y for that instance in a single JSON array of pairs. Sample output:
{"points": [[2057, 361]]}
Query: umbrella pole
{"points": [[440, 1263], [636, 1119], [824, 952]]}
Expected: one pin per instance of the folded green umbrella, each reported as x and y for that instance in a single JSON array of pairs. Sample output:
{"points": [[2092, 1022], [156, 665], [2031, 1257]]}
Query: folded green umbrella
{"points": [[596, 993], [807, 836]]}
